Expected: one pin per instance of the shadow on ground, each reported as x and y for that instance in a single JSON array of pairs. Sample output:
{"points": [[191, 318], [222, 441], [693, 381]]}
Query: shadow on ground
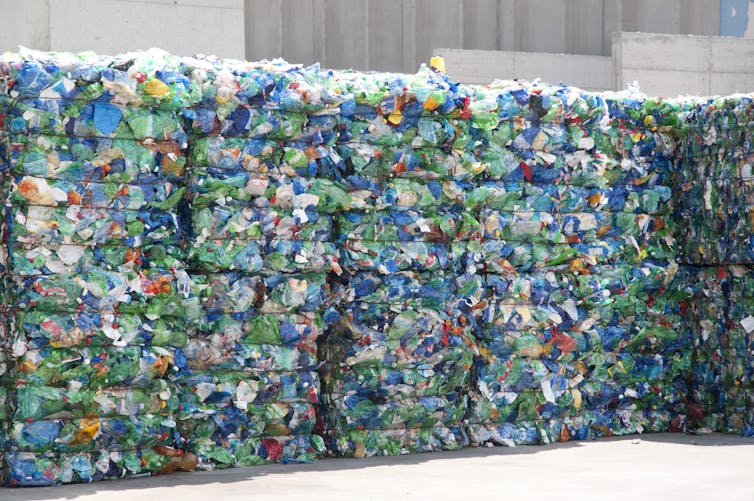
{"points": [[235, 475]]}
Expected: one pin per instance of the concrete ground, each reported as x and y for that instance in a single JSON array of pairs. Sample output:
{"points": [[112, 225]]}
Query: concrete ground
{"points": [[646, 467]]}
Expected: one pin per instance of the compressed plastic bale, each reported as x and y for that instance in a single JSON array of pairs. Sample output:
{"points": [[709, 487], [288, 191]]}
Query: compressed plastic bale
{"points": [[651, 199], [38, 329], [299, 328], [71, 402], [373, 412], [590, 289], [209, 353], [256, 122], [556, 284], [47, 116], [205, 390], [523, 425], [80, 225], [260, 420], [634, 380], [233, 292], [408, 340], [367, 443], [408, 225], [90, 433], [259, 256], [234, 155], [239, 452], [273, 84], [262, 190], [555, 344], [590, 425], [152, 291], [28, 469], [433, 290], [402, 337], [569, 316], [245, 222], [60, 193], [30, 259], [571, 228], [394, 383], [150, 79], [495, 162], [371, 194], [112, 366], [74, 159], [397, 256], [247, 404]]}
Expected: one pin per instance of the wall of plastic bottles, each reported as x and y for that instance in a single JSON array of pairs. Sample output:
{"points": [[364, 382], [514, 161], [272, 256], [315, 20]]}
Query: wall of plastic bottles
{"points": [[215, 263]]}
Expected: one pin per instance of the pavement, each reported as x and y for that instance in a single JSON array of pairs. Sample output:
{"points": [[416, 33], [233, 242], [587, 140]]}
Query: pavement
{"points": [[663, 466]]}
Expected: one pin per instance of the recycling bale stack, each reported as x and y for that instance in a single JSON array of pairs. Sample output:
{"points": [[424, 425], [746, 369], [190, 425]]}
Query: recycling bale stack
{"points": [[398, 360], [5, 342], [189, 245], [715, 191], [261, 201], [577, 335], [94, 286]]}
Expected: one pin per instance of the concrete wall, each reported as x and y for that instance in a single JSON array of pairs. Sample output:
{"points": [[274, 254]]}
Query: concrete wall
{"points": [[668, 65], [664, 65], [398, 35], [111, 26], [484, 66]]}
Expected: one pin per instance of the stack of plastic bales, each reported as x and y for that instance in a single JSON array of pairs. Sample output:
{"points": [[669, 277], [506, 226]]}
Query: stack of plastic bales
{"points": [[399, 358], [577, 333], [94, 287], [715, 192], [458, 264], [5, 343], [261, 198]]}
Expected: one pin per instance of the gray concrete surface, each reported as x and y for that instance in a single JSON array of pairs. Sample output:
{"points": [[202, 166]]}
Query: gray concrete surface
{"points": [[398, 35], [484, 66], [639, 468], [664, 65], [668, 65], [183, 27]]}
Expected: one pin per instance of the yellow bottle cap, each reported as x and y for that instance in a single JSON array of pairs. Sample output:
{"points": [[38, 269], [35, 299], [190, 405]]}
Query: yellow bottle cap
{"points": [[437, 63]]}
